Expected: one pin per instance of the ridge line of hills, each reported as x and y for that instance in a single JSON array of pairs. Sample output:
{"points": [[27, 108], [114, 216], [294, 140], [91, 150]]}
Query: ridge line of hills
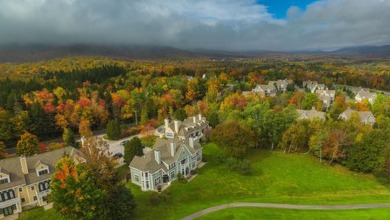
{"points": [[32, 53]]}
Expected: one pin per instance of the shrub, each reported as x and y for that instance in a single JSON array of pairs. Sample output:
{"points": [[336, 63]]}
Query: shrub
{"points": [[148, 140], [193, 172], [154, 199], [133, 130], [181, 178]]}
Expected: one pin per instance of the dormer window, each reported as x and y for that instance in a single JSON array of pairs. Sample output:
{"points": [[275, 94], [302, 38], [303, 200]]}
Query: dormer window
{"points": [[4, 180], [41, 168], [43, 172]]}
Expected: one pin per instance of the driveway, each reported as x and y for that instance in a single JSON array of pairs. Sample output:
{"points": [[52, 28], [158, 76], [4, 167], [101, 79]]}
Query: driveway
{"points": [[116, 147]]}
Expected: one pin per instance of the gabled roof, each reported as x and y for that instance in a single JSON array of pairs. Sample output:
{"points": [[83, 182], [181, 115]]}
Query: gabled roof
{"points": [[148, 161], [366, 95], [310, 114], [13, 166], [264, 88], [364, 115], [326, 92]]}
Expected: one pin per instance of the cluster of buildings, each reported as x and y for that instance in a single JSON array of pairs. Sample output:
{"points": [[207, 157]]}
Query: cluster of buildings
{"points": [[325, 95], [25, 181], [177, 151], [366, 117], [273, 87]]}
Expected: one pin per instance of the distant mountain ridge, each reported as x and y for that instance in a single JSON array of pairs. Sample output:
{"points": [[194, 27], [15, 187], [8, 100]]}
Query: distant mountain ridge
{"points": [[32, 53], [365, 50]]}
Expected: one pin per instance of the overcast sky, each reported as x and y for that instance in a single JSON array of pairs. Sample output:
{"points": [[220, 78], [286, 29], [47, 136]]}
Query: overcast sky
{"points": [[197, 24]]}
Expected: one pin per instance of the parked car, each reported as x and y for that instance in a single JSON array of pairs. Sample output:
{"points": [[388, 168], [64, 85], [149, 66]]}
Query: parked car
{"points": [[124, 142], [118, 155]]}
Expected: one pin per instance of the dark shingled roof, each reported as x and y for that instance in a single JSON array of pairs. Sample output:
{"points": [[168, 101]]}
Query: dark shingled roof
{"points": [[148, 161], [14, 168]]}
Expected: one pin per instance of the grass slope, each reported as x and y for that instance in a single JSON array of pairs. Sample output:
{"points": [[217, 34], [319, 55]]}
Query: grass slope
{"points": [[259, 213], [277, 177]]}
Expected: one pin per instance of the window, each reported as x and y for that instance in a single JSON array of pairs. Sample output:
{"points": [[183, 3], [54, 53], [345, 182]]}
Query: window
{"points": [[11, 194], [183, 161], [136, 178], [4, 180], [172, 174], [20, 189], [157, 181], [172, 165], [43, 172], [32, 187], [23, 199], [146, 174], [42, 186], [35, 198]]}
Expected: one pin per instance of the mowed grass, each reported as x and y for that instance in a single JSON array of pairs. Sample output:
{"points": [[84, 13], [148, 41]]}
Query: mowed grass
{"points": [[277, 178], [41, 214], [260, 213]]}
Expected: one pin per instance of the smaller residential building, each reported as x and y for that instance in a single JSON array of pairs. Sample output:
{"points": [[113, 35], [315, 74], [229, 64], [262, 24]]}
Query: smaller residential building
{"points": [[193, 127], [366, 117], [25, 181], [310, 114], [326, 101], [355, 90], [273, 87], [281, 84], [312, 86], [326, 92], [362, 95], [265, 90], [162, 165]]}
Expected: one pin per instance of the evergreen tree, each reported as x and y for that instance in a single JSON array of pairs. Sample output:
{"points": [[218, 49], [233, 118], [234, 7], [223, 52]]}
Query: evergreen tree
{"points": [[180, 114], [69, 138], [132, 148], [113, 130]]}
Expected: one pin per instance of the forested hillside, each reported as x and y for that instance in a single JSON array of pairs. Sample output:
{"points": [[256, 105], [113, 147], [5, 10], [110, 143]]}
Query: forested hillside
{"points": [[83, 94]]}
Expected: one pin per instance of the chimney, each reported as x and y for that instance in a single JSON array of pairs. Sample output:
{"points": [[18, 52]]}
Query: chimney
{"points": [[173, 149], [23, 163], [176, 126], [194, 119], [313, 108], [191, 141], [166, 122], [200, 117], [157, 156]]}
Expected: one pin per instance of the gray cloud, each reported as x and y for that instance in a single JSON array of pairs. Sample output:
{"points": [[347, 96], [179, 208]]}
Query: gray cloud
{"points": [[217, 24]]}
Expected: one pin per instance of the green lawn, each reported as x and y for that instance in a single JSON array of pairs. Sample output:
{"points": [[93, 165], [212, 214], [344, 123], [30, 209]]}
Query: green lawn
{"points": [[277, 177], [259, 213], [39, 213]]}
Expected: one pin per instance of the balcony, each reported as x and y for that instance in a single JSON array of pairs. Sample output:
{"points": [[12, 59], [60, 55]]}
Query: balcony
{"points": [[9, 202], [43, 193]]}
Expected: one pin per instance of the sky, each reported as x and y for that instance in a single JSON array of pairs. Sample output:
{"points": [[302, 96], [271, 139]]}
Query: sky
{"points": [[235, 25]]}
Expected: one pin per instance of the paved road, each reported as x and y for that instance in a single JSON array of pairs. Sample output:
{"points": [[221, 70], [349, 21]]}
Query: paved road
{"points": [[285, 206]]}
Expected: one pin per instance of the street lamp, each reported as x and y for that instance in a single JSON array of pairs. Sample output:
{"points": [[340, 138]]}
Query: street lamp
{"points": [[136, 120]]}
